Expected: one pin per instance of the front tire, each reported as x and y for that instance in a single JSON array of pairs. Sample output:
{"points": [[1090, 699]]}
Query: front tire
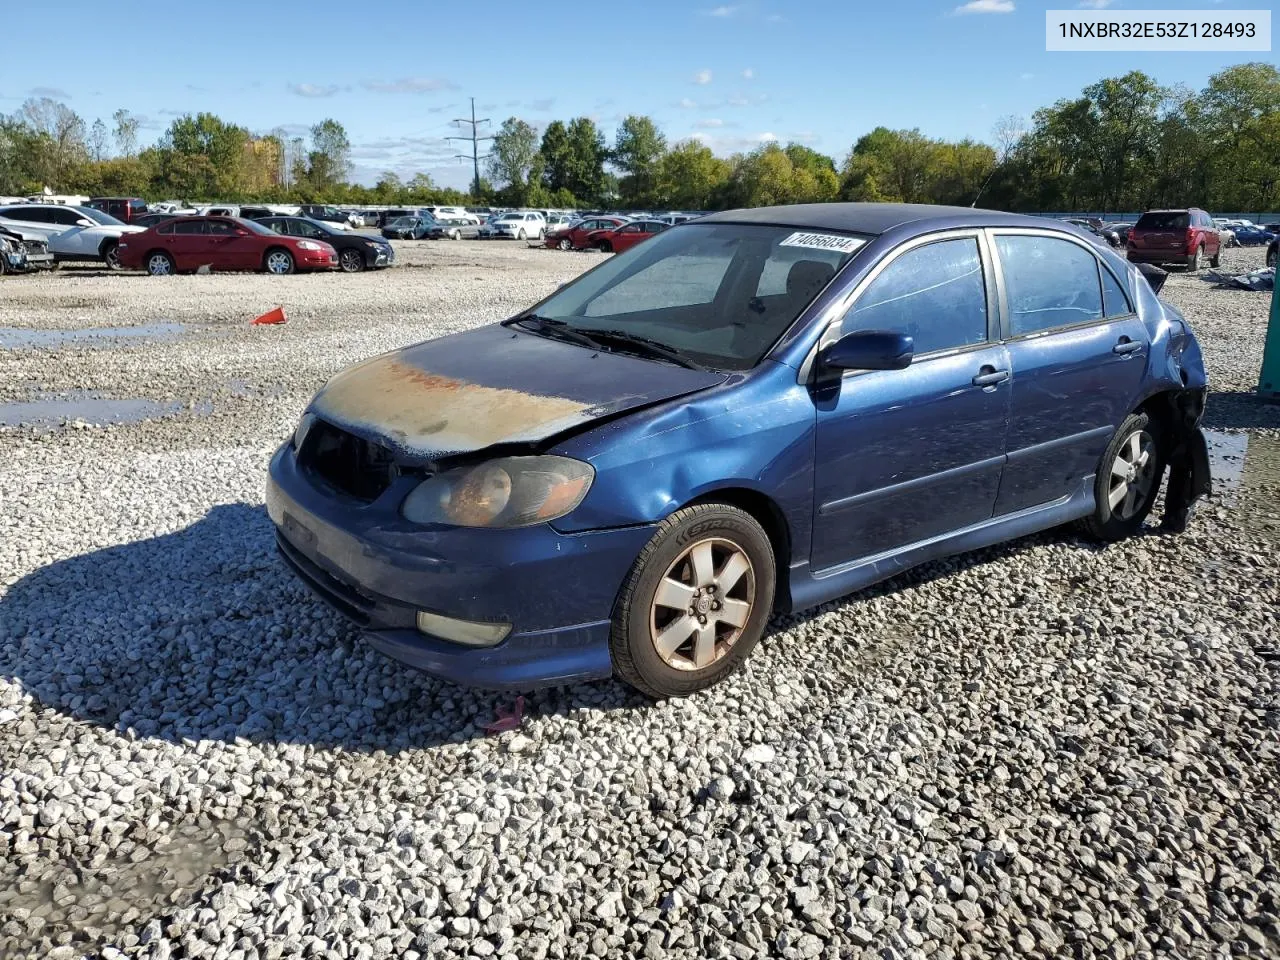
{"points": [[695, 603], [160, 264], [278, 261], [565, 244], [604, 246], [111, 255], [351, 261], [1128, 480], [522, 235]]}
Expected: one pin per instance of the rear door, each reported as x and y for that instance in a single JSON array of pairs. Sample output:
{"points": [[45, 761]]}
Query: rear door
{"points": [[1078, 354], [35, 219], [188, 244]]}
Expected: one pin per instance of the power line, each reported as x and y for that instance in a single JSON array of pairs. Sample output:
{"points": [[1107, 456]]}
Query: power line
{"points": [[475, 139]]}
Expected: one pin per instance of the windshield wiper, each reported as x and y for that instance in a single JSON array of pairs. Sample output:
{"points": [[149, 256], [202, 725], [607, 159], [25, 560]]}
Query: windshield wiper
{"points": [[556, 329], [645, 345]]}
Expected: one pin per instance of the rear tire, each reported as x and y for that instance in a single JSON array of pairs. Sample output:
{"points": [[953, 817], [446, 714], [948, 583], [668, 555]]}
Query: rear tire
{"points": [[716, 558], [1128, 480], [1271, 257], [1216, 258], [565, 244], [1194, 263], [604, 246]]}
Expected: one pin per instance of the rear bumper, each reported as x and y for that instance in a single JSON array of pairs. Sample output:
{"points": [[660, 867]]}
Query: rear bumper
{"points": [[1158, 256], [377, 570]]}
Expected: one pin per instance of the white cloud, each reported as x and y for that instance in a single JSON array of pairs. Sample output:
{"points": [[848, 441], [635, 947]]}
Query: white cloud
{"points": [[767, 137], [687, 104], [737, 100], [314, 89], [53, 93], [711, 123], [722, 11], [702, 77], [408, 85], [1096, 4], [986, 6], [748, 74]]}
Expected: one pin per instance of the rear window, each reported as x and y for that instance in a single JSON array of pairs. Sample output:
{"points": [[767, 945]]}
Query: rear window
{"points": [[1164, 221]]}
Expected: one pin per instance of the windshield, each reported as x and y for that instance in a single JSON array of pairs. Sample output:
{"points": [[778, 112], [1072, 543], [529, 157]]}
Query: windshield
{"points": [[402, 222], [106, 219], [720, 294]]}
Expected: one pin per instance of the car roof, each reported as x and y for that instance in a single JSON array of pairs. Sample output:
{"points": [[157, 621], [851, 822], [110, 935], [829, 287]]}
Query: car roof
{"points": [[876, 218]]}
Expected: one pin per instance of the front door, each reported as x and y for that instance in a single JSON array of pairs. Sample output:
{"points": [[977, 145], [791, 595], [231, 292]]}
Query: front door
{"points": [[904, 456], [1079, 355]]}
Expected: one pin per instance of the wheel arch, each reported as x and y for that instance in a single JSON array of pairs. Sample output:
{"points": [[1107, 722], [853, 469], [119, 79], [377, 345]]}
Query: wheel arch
{"points": [[272, 249], [108, 242], [766, 512]]}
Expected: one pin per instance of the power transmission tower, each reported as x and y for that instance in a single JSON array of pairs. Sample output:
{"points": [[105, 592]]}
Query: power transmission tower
{"points": [[475, 139]]}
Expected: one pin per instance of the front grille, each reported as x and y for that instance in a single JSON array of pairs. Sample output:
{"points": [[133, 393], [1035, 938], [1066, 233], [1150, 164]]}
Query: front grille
{"points": [[349, 464], [35, 247]]}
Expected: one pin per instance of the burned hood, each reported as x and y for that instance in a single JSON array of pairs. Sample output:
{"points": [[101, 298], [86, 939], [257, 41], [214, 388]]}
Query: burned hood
{"points": [[493, 385]]}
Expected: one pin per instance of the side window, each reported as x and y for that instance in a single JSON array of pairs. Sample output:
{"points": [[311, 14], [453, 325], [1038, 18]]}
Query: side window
{"points": [[165, 229], [66, 216], [1050, 283], [935, 293], [29, 214], [221, 228], [1115, 302], [189, 227], [631, 228]]}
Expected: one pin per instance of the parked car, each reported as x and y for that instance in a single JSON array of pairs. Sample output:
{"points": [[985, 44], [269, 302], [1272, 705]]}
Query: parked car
{"points": [[73, 233], [408, 228], [519, 224], [386, 216], [1121, 229], [574, 236], [326, 212], [222, 243], [761, 411], [452, 230], [23, 252], [124, 209], [1182, 236], [626, 236], [1252, 236], [356, 251], [151, 219], [459, 214]]}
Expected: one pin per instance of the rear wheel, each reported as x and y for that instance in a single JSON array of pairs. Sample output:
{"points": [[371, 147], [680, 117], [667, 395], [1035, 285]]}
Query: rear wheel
{"points": [[279, 261], [1128, 480], [1194, 263], [1216, 258], [160, 264], [695, 603], [351, 261], [604, 246], [111, 255], [1271, 256]]}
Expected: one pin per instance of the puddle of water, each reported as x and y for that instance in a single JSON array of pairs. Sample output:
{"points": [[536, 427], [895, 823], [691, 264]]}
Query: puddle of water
{"points": [[20, 338], [1246, 475], [50, 412]]}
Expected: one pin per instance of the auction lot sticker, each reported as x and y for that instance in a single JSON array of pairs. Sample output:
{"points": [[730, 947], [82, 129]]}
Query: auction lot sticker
{"points": [[823, 241], [1155, 30]]}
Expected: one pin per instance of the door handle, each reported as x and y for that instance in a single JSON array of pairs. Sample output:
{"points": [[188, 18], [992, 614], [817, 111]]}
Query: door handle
{"points": [[989, 376], [1126, 346]]}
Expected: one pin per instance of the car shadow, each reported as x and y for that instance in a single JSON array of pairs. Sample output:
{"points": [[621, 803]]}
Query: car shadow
{"points": [[204, 634], [1240, 410]]}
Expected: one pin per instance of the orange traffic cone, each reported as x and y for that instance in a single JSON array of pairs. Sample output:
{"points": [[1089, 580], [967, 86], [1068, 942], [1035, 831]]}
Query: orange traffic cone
{"points": [[271, 316]]}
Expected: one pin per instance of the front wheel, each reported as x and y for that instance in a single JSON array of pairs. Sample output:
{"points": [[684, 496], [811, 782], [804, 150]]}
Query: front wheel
{"points": [[160, 264], [522, 235], [565, 244], [351, 261], [1128, 480], [604, 246], [111, 256], [279, 261], [455, 234], [695, 603]]}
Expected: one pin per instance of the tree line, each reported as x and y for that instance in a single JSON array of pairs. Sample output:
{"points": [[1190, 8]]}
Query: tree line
{"points": [[1126, 143]]}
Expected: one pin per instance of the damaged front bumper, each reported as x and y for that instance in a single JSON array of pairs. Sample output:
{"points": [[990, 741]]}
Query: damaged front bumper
{"points": [[1189, 476]]}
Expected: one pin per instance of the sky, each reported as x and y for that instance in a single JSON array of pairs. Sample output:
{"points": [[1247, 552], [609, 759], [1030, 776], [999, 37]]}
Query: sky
{"points": [[734, 74]]}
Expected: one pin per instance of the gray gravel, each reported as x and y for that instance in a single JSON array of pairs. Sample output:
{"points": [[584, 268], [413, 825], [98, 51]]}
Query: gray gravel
{"points": [[1046, 748]]}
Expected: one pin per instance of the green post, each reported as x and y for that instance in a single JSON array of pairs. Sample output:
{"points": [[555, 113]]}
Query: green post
{"points": [[1269, 382]]}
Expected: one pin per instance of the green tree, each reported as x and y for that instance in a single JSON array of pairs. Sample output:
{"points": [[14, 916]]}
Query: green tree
{"points": [[690, 176], [638, 148], [55, 143], [329, 159], [514, 161], [125, 132]]}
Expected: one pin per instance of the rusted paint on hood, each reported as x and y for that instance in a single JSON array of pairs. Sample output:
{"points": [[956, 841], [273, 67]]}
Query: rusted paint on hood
{"points": [[489, 386], [429, 414]]}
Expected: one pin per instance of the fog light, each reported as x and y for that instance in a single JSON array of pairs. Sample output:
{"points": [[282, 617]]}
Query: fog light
{"points": [[468, 632]]}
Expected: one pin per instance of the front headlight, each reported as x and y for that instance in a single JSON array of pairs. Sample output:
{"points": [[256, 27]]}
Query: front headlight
{"points": [[302, 429], [308, 245], [503, 493]]}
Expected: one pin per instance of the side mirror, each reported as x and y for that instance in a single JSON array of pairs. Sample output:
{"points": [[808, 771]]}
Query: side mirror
{"points": [[85, 222], [869, 350]]}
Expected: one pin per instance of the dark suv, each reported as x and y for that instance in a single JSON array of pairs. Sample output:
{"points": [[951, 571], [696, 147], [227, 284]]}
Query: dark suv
{"points": [[124, 209], [1175, 236]]}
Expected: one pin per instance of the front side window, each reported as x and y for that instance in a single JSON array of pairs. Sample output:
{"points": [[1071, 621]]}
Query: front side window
{"points": [[935, 293], [222, 228], [696, 290], [1049, 283]]}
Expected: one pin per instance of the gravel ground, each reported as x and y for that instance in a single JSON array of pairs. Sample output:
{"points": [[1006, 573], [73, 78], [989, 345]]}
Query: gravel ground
{"points": [[1045, 748]]}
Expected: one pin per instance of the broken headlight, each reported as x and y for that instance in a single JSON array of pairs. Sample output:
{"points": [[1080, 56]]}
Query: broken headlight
{"points": [[507, 492]]}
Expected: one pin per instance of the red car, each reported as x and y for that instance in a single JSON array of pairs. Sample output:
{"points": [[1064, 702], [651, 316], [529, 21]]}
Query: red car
{"points": [[221, 243], [574, 236], [626, 236], [1175, 236]]}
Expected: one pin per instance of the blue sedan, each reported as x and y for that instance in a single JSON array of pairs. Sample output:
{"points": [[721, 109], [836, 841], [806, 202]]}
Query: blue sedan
{"points": [[759, 411]]}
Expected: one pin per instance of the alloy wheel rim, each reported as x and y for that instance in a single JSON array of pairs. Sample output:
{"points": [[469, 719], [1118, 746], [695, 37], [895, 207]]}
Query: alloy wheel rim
{"points": [[1133, 475], [702, 604], [277, 263], [158, 266], [350, 263]]}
